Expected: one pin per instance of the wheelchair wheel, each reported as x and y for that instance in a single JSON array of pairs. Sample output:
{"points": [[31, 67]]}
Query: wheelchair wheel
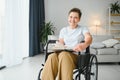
{"points": [[92, 73]]}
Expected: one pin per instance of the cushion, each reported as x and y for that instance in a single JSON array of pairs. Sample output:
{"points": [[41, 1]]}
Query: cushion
{"points": [[97, 45], [117, 46], [93, 51], [110, 42]]}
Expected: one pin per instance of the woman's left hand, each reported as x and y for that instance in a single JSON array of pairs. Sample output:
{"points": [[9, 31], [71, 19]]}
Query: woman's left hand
{"points": [[80, 47]]}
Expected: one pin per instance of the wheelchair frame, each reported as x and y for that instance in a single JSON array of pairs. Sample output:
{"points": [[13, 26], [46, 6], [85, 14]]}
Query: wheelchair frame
{"points": [[87, 64]]}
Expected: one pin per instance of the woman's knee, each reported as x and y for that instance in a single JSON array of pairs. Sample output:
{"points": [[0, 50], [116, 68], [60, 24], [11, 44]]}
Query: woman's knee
{"points": [[52, 56], [68, 56], [64, 54]]}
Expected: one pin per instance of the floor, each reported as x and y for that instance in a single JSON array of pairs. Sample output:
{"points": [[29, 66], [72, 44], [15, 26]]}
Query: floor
{"points": [[30, 67]]}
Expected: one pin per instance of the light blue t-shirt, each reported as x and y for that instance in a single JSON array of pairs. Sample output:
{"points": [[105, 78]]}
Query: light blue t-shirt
{"points": [[73, 36]]}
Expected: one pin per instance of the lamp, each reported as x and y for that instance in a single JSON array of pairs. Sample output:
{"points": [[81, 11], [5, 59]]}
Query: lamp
{"points": [[96, 23]]}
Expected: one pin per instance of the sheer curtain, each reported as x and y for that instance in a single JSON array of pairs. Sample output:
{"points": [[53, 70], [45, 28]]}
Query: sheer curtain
{"points": [[2, 12], [16, 32]]}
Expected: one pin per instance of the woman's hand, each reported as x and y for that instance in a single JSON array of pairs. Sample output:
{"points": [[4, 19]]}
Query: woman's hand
{"points": [[80, 47], [83, 46]]}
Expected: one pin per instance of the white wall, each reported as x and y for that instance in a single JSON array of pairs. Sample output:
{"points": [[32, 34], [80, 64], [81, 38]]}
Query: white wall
{"points": [[57, 12]]}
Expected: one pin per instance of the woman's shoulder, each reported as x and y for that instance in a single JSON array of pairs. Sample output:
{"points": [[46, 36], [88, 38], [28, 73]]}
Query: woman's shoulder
{"points": [[82, 27], [64, 29]]}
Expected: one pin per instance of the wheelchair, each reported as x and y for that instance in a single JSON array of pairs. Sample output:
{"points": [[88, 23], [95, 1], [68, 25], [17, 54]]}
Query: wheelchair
{"points": [[87, 65]]}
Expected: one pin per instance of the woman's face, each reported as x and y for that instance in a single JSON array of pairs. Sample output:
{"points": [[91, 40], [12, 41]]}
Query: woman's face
{"points": [[73, 19]]}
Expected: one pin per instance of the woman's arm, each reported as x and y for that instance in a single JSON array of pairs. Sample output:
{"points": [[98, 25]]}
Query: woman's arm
{"points": [[88, 39], [61, 40], [85, 44]]}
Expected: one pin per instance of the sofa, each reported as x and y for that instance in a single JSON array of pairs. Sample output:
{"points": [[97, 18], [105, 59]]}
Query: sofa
{"points": [[106, 48]]}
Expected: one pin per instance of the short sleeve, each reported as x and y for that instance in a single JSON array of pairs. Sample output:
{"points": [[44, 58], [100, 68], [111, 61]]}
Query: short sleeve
{"points": [[85, 30], [62, 32]]}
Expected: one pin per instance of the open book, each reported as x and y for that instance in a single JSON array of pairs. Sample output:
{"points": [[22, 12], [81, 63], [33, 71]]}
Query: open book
{"points": [[59, 47]]}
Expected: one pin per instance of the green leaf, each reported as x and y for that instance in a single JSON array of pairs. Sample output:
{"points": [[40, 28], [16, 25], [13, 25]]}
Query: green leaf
{"points": [[47, 29], [115, 7]]}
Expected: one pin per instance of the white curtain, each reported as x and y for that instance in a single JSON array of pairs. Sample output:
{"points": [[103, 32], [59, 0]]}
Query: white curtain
{"points": [[16, 30]]}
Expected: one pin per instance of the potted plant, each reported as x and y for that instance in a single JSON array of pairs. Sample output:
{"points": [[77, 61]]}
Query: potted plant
{"points": [[115, 8], [47, 29]]}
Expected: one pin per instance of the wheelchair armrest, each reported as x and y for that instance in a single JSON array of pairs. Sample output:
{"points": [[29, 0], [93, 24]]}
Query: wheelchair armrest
{"points": [[47, 44], [50, 41], [87, 49]]}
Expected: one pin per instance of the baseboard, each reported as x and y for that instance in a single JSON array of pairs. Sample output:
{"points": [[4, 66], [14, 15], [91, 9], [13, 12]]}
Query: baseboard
{"points": [[109, 63]]}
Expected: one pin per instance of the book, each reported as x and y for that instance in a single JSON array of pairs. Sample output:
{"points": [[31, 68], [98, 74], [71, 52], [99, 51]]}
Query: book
{"points": [[60, 47]]}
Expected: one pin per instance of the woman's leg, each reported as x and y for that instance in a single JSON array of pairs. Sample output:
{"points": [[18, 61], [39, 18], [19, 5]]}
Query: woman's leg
{"points": [[67, 62], [50, 68]]}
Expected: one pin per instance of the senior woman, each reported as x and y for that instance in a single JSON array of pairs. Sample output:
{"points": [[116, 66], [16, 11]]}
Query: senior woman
{"points": [[63, 63]]}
